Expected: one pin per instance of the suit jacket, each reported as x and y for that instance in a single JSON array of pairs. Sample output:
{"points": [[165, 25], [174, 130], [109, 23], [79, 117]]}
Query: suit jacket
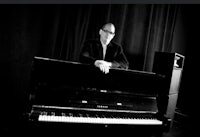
{"points": [[92, 50]]}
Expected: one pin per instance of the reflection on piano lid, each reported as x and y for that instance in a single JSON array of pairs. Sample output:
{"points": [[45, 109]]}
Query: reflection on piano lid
{"points": [[60, 74]]}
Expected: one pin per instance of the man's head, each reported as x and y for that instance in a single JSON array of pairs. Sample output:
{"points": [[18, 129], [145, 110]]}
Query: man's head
{"points": [[107, 33]]}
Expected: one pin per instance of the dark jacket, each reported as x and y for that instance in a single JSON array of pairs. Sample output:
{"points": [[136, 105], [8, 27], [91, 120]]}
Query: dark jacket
{"points": [[92, 50]]}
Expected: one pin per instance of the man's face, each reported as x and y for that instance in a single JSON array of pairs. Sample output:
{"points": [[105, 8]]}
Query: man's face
{"points": [[107, 34]]}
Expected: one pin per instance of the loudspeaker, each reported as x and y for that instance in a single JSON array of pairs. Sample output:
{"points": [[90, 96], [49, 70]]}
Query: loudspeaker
{"points": [[171, 66]]}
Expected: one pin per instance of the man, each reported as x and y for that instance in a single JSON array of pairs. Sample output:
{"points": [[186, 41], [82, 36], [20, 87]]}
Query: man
{"points": [[103, 53]]}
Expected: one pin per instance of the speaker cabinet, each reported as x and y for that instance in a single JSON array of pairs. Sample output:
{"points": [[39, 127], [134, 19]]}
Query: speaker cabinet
{"points": [[171, 66]]}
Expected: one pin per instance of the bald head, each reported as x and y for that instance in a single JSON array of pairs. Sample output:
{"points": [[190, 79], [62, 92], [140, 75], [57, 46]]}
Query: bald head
{"points": [[109, 25], [107, 33]]}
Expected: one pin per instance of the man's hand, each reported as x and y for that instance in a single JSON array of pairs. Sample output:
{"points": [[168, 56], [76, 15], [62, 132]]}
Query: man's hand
{"points": [[104, 66]]}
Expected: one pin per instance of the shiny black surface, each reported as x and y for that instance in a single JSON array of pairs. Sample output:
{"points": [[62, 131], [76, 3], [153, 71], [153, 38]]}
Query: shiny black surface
{"points": [[64, 83]]}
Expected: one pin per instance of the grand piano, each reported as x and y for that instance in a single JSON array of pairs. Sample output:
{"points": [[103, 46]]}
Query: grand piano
{"points": [[70, 96]]}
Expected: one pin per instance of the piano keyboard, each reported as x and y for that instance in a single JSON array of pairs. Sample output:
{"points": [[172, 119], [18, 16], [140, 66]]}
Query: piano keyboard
{"points": [[98, 120], [94, 116]]}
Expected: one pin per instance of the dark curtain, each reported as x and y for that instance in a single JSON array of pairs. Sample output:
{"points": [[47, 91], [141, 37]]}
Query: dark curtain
{"points": [[58, 31], [140, 29]]}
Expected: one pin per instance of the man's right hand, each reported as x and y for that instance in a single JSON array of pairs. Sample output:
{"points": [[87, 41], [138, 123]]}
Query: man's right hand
{"points": [[104, 66]]}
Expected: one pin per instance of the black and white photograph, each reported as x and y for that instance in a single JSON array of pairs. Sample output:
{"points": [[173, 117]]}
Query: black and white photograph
{"points": [[99, 69]]}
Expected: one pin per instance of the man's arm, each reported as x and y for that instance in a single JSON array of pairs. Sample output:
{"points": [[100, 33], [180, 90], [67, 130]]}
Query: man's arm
{"points": [[120, 60], [85, 56]]}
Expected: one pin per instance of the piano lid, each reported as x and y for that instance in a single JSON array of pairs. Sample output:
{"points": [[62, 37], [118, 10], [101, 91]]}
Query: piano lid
{"points": [[66, 74]]}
